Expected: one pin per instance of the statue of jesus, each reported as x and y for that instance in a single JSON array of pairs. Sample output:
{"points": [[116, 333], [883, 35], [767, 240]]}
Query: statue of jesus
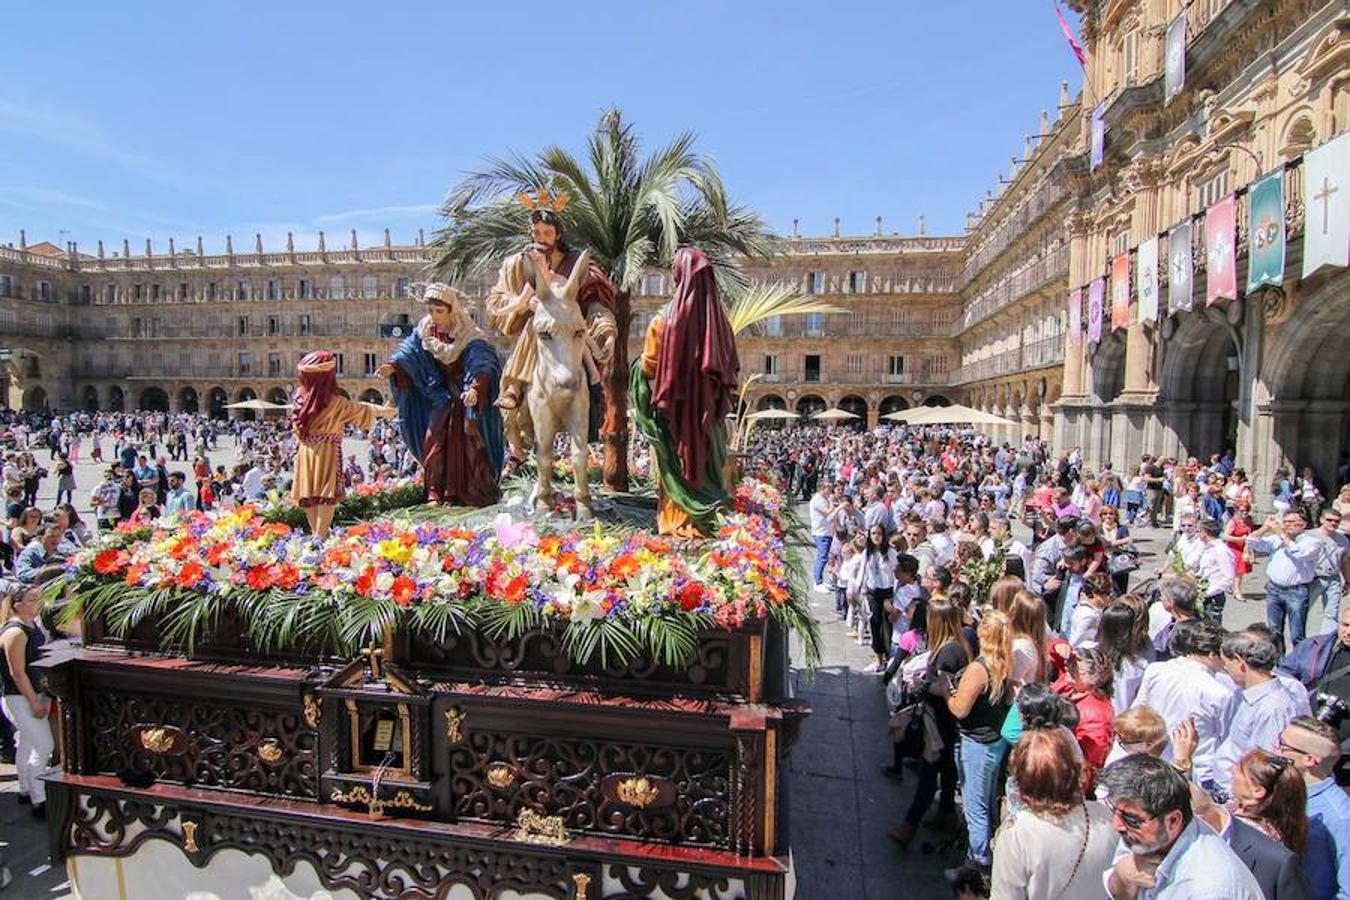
{"points": [[509, 309]]}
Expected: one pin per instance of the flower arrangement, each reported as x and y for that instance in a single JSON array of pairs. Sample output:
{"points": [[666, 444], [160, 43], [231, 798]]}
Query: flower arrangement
{"points": [[617, 593], [363, 502]]}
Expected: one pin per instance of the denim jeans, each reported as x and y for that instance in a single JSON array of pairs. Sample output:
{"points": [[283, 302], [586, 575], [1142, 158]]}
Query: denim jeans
{"points": [[822, 556], [1330, 590], [980, 764], [1291, 602]]}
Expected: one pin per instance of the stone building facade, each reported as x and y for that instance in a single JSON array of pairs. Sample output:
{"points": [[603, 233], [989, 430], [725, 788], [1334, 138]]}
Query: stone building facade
{"points": [[1266, 374]]}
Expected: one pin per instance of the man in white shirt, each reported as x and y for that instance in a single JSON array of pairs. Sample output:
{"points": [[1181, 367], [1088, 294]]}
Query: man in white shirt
{"points": [[1188, 542], [1216, 567], [1000, 535], [1264, 707], [943, 545], [1165, 852], [1289, 574], [822, 509], [1184, 687], [253, 482], [1333, 569]]}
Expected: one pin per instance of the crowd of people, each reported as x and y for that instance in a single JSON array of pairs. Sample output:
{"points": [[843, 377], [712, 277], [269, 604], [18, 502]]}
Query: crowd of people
{"points": [[1096, 706]]}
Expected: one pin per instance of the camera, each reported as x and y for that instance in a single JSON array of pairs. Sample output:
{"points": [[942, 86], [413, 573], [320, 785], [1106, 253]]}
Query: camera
{"points": [[1329, 708]]}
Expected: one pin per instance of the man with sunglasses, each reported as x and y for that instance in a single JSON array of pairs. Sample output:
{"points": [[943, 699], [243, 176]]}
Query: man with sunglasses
{"points": [[1166, 853], [1333, 569], [1312, 747]]}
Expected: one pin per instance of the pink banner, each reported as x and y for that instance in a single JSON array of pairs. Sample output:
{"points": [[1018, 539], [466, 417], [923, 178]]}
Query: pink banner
{"points": [[1120, 292], [1094, 323], [1220, 259], [1075, 317]]}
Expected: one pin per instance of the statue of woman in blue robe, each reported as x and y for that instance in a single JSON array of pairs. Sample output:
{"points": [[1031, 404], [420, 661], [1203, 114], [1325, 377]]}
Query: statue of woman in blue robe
{"points": [[445, 377]]}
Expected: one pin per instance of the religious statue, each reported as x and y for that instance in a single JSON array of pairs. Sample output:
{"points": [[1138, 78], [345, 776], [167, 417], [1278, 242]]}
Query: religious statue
{"points": [[683, 388], [510, 309], [321, 414], [445, 377]]}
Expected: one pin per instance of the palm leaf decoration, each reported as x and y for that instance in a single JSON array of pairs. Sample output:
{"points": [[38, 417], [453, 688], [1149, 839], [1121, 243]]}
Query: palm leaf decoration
{"points": [[761, 302], [632, 211]]}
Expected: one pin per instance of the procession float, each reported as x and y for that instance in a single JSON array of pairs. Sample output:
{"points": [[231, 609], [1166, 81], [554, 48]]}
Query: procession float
{"points": [[529, 695]]}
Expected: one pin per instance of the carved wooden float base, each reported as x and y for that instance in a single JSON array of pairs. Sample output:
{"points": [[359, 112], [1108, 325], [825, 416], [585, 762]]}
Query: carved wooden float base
{"points": [[98, 821]]}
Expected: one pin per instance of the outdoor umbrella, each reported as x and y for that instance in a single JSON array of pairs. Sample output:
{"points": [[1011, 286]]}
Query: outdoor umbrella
{"points": [[947, 415], [772, 414], [835, 414], [257, 404]]}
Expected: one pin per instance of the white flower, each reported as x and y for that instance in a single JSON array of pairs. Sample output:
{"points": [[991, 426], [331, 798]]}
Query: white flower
{"points": [[586, 608]]}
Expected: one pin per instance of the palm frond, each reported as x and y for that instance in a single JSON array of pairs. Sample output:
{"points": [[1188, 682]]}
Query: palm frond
{"points": [[764, 301]]}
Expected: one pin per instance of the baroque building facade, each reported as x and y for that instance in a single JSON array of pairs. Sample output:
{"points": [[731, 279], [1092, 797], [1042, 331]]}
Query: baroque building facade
{"points": [[1264, 374]]}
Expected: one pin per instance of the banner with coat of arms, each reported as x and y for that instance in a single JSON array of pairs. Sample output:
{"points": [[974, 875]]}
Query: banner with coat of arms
{"points": [[1179, 268], [1220, 254], [1265, 232], [1094, 324], [1146, 279], [1120, 292]]}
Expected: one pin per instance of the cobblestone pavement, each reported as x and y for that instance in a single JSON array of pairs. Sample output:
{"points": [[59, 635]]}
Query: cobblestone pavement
{"points": [[841, 806]]}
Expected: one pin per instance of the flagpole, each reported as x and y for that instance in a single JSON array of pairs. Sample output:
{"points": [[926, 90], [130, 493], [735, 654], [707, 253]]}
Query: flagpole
{"points": [[1077, 50]]}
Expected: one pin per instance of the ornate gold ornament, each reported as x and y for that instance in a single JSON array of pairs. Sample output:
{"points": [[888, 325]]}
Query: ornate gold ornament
{"points": [[270, 752], [454, 722], [582, 882], [313, 712], [533, 828], [190, 836], [543, 200], [156, 740], [359, 794], [501, 776], [637, 791]]}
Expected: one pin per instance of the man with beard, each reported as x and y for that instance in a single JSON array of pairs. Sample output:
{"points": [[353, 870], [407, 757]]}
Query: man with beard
{"points": [[510, 306], [1166, 853]]}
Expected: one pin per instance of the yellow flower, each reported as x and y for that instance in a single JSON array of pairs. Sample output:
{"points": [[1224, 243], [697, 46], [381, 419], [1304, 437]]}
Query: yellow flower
{"points": [[394, 551]]}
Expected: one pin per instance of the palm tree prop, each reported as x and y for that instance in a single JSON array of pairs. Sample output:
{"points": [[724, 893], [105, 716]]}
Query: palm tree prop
{"points": [[631, 212]]}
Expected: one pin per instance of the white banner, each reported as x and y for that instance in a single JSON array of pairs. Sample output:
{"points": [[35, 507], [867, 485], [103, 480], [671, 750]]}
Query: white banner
{"points": [[1146, 280], [1326, 206]]}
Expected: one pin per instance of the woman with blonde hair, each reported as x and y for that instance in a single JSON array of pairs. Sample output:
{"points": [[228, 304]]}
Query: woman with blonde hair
{"points": [[948, 654], [980, 703], [1026, 621]]}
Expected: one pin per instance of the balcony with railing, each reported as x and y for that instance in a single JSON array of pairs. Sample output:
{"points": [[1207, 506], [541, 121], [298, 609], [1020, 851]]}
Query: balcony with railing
{"points": [[1013, 287], [1038, 354]]}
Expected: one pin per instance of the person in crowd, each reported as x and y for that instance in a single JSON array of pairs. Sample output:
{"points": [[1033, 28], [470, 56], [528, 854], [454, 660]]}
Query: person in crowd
{"points": [[104, 499], [1263, 709], [1003, 591], [1276, 868], [980, 703], [1000, 539], [1087, 684], [1026, 623], [948, 654], [1093, 599], [179, 500], [877, 583], [1122, 635], [822, 510], [1289, 573], [1166, 853], [1235, 532], [1178, 601], [1185, 688], [129, 497], [1059, 846], [1064, 601], [1121, 553], [1312, 747], [147, 511], [1137, 730], [1046, 566], [1332, 568], [1268, 793], [21, 640], [27, 528], [40, 554]]}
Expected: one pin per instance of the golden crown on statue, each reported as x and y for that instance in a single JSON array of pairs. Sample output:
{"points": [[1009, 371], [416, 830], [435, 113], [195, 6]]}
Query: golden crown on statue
{"points": [[544, 200]]}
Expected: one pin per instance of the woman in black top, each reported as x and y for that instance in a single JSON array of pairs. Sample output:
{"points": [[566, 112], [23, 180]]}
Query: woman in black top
{"points": [[129, 499], [24, 707], [980, 703], [949, 653]]}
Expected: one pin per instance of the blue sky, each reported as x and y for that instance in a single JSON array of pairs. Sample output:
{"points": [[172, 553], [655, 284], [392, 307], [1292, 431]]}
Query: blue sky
{"points": [[135, 120]]}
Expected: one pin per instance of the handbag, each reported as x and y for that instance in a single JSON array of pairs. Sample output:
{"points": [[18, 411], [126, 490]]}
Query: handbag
{"points": [[1122, 561]]}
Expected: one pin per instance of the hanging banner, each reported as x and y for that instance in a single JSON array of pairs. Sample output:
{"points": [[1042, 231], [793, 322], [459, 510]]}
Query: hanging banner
{"points": [[1174, 66], [1094, 325], [1120, 292], [1146, 279], [1265, 232], [1075, 317], [1220, 254], [1326, 205], [1179, 267], [1098, 136]]}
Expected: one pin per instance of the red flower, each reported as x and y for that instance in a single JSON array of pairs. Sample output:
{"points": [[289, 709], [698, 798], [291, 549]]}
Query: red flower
{"points": [[216, 555], [625, 565], [190, 575], [515, 589], [287, 575], [110, 562], [366, 583], [691, 596], [260, 578], [136, 573], [403, 590], [183, 548]]}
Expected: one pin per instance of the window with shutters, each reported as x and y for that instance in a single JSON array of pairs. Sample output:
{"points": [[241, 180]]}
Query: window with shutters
{"points": [[369, 363], [854, 365], [895, 366], [811, 368], [771, 364], [857, 282], [370, 287], [337, 287]]}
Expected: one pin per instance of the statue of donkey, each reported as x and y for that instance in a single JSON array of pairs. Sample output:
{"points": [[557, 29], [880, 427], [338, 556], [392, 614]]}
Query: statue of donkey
{"points": [[558, 399]]}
